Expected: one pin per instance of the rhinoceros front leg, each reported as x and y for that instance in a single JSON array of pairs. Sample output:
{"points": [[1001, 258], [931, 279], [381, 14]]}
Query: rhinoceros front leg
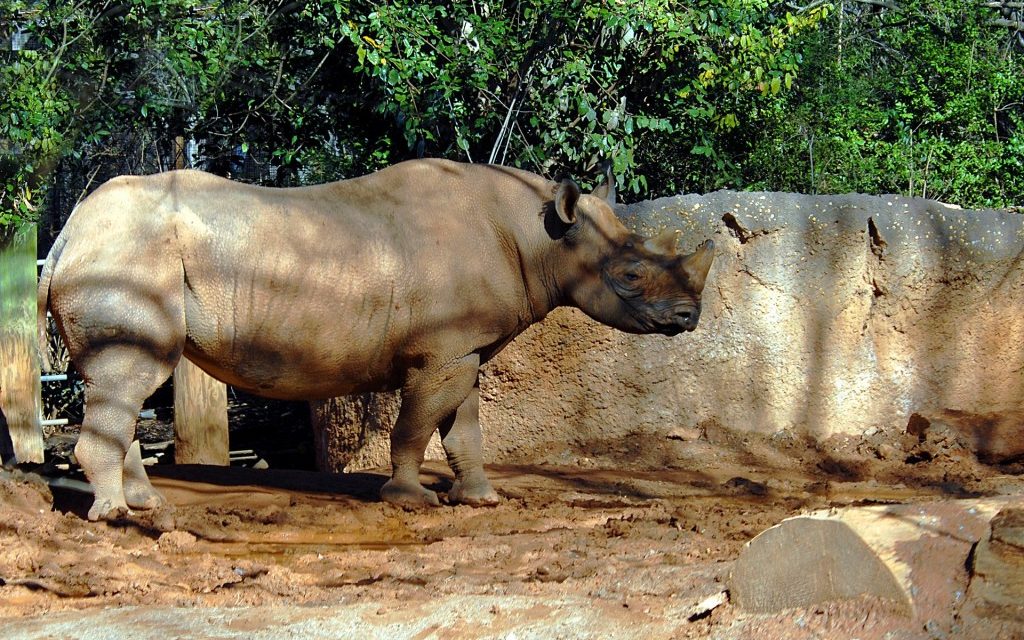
{"points": [[430, 398], [462, 442]]}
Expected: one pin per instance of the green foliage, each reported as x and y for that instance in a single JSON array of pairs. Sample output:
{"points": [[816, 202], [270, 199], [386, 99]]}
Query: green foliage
{"points": [[94, 73], [337, 88], [844, 95], [557, 86], [924, 99], [31, 114]]}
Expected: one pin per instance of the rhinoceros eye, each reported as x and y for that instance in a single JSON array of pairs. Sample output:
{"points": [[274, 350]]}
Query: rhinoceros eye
{"points": [[631, 276]]}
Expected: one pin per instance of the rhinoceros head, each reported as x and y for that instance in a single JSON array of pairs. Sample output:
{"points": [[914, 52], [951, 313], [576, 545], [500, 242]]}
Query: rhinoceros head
{"points": [[619, 278]]}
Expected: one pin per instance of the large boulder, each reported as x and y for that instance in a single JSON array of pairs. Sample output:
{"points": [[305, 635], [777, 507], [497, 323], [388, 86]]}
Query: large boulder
{"points": [[823, 315]]}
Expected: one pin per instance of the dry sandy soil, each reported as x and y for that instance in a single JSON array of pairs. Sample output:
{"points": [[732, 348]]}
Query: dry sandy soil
{"points": [[612, 547]]}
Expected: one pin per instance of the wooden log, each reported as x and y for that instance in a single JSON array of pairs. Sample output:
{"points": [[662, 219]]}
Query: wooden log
{"points": [[911, 555], [805, 561], [200, 417], [21, 437]]}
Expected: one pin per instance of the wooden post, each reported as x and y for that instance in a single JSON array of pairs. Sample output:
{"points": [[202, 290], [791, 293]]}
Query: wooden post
{"points": [[200, 417], [19, 359], [200, 402]]}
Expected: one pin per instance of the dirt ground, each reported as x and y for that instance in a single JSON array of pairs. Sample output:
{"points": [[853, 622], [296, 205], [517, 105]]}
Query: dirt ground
{"points": [[621, 544]]}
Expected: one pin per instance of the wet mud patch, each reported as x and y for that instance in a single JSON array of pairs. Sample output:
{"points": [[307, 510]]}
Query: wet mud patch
{"points": [[639, 545]]}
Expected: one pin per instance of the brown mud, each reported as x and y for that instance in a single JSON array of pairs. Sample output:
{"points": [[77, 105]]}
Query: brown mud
{"points": [[641, 532]]}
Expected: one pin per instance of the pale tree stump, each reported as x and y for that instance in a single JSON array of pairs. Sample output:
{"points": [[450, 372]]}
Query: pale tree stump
{"points": [[200, 417], [809, 560], [22, 439], [914, 556], [200, 402]]}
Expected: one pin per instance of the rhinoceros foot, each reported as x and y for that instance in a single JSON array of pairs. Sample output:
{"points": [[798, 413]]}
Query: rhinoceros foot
{"points": [[476, 493], [143, 497], [408, 494], [107, 510], [138, 492]]}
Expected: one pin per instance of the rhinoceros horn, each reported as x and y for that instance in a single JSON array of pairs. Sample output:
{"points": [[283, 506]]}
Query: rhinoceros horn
{"points": [[663, 243], [697, 264]]}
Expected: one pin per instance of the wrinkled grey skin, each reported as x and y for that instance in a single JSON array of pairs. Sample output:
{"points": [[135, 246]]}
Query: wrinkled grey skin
{"points": [[409, 278]]}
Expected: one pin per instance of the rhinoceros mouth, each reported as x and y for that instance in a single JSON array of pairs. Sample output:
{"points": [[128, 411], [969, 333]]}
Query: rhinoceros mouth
{"points": [[670, 330], [665, 322], [680, 319]]}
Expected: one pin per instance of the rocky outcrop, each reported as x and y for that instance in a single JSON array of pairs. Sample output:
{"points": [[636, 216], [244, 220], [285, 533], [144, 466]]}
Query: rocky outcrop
{"points": [[823, 315]]}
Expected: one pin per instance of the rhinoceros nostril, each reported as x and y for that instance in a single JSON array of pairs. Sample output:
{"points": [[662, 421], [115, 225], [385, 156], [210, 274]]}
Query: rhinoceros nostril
{"points": [[687, 319]]}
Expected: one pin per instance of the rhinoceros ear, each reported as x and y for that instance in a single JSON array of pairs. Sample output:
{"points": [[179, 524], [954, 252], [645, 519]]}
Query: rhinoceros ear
{"points": [[664, 243], [697, 264], [566, 197], [606, 191]]}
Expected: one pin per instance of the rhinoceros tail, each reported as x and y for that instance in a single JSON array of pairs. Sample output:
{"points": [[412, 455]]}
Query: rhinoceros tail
{"points": [[43, 300]]}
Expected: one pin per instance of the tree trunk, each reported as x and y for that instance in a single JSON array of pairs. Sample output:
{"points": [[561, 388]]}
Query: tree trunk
{"points": [[200, 402], [915, 556], [341, 426]]}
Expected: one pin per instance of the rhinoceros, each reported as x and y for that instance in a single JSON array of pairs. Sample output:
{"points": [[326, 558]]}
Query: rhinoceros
{"points": [[408, 278]]}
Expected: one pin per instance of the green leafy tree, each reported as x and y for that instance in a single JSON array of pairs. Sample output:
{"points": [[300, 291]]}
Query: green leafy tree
{"points": [[555, 86], [921, 97], [94, 82], [331, 89]]}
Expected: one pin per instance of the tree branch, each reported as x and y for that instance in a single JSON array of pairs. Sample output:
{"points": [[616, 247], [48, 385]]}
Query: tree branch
{"points": [[880, 3], [1017, 25], [809, 7]]}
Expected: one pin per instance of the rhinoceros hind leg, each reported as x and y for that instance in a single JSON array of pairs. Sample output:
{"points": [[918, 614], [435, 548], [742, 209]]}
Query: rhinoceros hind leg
{"points": [[462, 441], [101, 452], [407, 494], [138, 491], [476, 492], [118, 380]]}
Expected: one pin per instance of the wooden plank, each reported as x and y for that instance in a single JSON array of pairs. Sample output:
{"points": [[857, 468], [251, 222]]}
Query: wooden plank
{"points": [[200, 417], [21, 437]]}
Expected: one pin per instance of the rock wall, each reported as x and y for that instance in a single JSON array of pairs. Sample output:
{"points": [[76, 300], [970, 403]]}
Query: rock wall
{"points": [[823, 315]]}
